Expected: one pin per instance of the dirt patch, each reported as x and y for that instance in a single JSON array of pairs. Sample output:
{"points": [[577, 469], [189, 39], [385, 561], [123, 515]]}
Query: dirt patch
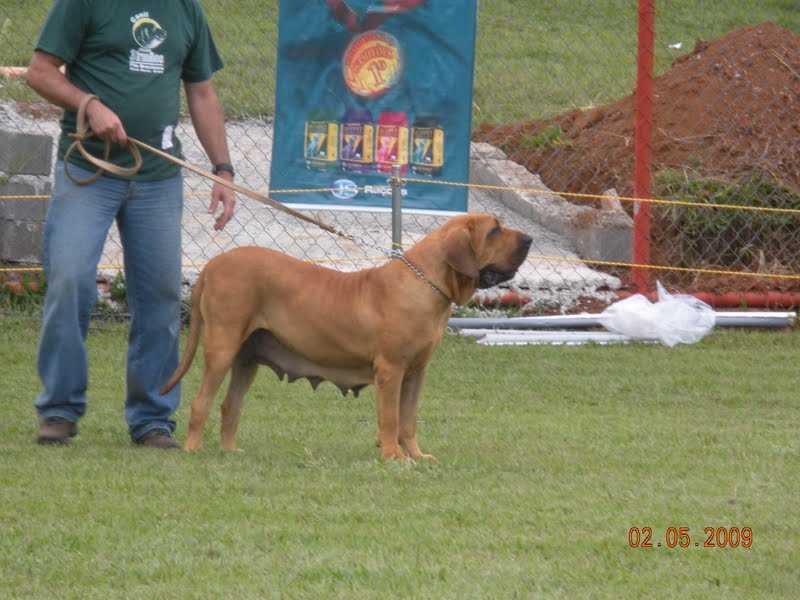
{"points": [[728, 111], [729, 106]]}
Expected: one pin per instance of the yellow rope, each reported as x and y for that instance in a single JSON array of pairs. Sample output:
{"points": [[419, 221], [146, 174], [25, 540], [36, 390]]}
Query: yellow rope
{"points": [[113, 267], [522, 190], [515, 189], [530, 259], [611, 263]]}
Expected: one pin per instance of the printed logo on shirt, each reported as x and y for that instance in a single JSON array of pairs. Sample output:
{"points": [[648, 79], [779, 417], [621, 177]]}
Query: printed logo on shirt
{"points": [[148, 35]]}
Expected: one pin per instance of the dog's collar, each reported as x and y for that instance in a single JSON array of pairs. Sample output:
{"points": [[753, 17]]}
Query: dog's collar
{"points": [[420, 275]]}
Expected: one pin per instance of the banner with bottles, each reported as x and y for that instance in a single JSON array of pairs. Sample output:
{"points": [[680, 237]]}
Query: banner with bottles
{"points": [[364, 86]]}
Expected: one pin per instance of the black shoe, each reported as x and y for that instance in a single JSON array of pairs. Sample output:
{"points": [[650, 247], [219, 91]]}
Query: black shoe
{"points": [[158, 438], [56, 430]]}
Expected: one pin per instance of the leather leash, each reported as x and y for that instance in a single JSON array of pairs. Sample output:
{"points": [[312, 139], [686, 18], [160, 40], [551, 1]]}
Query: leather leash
{"points": [[83, 132]]}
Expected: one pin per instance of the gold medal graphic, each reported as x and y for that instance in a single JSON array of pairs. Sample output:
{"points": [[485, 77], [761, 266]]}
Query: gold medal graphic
{"points": [[372, 64]]}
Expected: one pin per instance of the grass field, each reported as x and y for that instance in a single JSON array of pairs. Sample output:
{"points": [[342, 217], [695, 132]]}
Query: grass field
{"points": [[546, 458], [534, 59]]}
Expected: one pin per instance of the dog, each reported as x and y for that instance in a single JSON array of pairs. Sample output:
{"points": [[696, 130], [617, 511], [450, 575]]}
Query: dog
{"points": [[376, 326]]}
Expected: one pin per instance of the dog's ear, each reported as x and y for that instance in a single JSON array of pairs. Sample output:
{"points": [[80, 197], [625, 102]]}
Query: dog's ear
{"points": [[460, 254]]}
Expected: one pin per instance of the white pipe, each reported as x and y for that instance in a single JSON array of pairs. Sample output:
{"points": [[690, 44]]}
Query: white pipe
{"points": [[586, 321], [553, 338]]}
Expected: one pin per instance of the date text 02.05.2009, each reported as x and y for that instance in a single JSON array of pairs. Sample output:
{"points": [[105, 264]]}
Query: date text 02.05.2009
{"points": [[681, 537]]}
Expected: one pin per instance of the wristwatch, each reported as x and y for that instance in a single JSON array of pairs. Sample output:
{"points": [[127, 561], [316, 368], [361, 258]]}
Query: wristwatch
{"points": [[223, 167]]}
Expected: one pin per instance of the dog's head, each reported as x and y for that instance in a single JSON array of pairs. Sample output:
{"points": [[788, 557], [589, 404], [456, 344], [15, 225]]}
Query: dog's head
{"points": [[482, 252]]}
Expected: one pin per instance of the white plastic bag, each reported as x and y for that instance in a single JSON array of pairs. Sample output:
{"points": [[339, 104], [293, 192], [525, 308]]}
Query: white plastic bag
{"points": [[674, 319]]}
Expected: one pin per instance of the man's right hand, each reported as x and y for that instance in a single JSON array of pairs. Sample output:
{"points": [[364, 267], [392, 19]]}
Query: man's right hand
{"points": [[105, 123]]}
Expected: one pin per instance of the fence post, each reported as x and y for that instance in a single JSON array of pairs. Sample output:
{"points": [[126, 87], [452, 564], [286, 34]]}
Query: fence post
{"points": [[397, 213], [642, 143]]}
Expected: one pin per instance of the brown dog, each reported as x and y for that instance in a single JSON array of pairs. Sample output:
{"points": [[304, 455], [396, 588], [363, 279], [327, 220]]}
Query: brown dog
{"points": [[376, 326]]}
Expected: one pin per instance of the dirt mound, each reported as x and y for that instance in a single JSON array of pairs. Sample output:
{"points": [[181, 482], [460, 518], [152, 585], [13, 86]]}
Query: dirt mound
{"points": [[730, 106]]}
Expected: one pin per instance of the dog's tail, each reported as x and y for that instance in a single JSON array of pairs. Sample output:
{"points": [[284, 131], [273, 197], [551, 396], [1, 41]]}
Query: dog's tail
{"points": [[195, 326]]}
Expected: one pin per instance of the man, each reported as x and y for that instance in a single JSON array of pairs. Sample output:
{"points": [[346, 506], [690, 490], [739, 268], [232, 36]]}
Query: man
{"points": [[132, 55]]}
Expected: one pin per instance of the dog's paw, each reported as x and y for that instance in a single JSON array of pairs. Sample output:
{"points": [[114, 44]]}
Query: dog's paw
{"points": [[423, 456], [394, 453], [410, 446]]}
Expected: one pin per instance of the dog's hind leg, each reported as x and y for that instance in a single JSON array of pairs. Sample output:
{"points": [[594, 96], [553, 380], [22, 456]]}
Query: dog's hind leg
{"points": [[409, 401], [219, 356], [242, 376]]}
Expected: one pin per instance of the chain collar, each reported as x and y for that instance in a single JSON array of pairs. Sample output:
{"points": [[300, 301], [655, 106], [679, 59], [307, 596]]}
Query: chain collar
{"points": [[420, 275]]}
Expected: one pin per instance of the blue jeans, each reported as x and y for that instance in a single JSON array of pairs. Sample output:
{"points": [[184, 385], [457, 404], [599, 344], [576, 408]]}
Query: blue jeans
{"points": [[148, 216]]}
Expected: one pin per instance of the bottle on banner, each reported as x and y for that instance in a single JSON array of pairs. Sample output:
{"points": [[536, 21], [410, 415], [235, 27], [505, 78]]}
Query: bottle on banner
{"points": [[391, 142], [357, 141], [321, 142], [427, 146]]}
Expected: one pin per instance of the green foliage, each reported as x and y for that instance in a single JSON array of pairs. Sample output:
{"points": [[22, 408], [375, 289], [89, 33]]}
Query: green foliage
{"points": [[117, 289], [186, 310], [546, 139], [22, 292], [690, 235]]}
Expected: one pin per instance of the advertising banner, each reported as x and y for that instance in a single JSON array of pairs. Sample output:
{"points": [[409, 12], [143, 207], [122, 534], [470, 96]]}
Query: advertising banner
{"points": [[364, 86]]}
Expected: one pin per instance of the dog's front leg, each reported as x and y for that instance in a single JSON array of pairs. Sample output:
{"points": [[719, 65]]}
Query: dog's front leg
{"points": [[388, 383], [409, 401]]}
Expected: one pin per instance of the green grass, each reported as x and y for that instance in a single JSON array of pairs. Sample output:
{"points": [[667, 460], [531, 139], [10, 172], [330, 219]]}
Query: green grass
{"points": [[546, 139], [547, 457], [534, 59]]}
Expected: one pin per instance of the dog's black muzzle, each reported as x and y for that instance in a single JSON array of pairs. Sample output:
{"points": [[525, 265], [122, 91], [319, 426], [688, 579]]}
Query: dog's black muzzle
{"points": [[492, 275]]}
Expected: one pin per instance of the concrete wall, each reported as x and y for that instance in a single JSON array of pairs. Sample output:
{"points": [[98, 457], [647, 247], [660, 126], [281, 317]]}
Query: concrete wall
{"points": [[595, 233], [23, 157]]}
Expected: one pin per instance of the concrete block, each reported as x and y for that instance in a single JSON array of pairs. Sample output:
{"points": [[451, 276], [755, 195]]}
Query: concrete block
{"points": [[21, 241], [25, 153], [482, 150], [607, 236], [593, 233], [22, 222]]}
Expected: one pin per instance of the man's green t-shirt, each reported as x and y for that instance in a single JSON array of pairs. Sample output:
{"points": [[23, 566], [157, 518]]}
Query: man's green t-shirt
{"points": [[133, 55]]}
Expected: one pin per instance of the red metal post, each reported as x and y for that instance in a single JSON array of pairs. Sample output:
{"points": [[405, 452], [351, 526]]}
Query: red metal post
{"points": [[642, 143]]}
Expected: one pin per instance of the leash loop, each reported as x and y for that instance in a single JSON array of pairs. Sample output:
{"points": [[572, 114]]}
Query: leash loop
{"points": [[83, 132]]}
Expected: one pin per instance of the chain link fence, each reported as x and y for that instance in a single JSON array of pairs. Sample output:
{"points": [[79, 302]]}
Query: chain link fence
{"points": [[551, 94], [727, 132], [726, 104]]}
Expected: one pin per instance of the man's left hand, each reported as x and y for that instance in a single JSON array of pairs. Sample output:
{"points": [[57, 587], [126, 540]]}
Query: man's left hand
{"points": [[221, 194]]}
